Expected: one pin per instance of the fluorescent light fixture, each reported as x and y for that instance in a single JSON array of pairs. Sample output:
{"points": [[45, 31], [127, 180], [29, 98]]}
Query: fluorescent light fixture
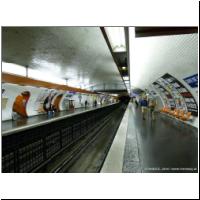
{"points": [[78, 83], [126, 78], [12, 68], [48, 66], [127, 82], [115, 95], [116, 36], [45, 76]]}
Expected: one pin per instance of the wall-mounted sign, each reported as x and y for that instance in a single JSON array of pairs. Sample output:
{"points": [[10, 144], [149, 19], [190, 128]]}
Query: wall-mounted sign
{"points": [[192, 81], [71, 92]]}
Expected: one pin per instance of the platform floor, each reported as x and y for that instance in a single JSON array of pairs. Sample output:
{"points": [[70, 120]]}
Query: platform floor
{"points": [[152, 146], [11, 126]]}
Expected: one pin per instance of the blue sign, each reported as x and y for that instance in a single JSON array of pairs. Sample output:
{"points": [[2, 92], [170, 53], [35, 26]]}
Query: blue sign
{"points": [[71, 92], [192, 80]]}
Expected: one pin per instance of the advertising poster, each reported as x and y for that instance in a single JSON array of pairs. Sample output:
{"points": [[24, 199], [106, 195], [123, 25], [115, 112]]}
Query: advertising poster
{"points": [[80, 98], [48, 100], [65, 100], [19, 106], [182, 97], [178, 99], [40, 101], [166, 96], [65, 103], [184, 92]]}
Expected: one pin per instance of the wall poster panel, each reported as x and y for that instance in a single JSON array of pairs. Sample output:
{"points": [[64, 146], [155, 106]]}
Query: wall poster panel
{"points": [[176, 92]]}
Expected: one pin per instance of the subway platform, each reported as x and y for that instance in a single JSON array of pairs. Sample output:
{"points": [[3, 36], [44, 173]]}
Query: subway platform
{"points": [[53, 144], [14, 126], [159, 146]]}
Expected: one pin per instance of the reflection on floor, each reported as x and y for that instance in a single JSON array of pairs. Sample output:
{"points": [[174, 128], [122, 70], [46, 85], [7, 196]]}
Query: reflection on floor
{"points": [[158, 146]]}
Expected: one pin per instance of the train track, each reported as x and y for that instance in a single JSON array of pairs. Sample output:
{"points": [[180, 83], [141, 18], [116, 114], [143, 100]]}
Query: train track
{"points": [[90, 152]]}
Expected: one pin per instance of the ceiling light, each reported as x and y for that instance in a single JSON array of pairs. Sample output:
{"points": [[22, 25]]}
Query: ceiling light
{"points": [[44, 76], [126, 82], [126, 78], [13, 69], [116, 36], [123, 68], [115, 95]]}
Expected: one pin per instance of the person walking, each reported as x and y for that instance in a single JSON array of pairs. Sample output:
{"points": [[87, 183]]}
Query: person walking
{"points": [[144, 105], [152, 104], [136, 103]]}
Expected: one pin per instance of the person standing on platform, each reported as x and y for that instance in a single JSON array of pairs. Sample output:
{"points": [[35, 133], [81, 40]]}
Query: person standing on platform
{"points": [[144, 104], [86, 103], [95, 103]]}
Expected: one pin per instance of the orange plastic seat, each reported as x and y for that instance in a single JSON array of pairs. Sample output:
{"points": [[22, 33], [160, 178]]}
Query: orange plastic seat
{"points": [[180, 114], [176, 113], [186, 116], [168, 110], [171, 112], [164, 109]]}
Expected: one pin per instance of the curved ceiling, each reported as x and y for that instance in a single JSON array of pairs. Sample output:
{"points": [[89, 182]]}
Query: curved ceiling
{"points": [[78, 54], [152, 57]]}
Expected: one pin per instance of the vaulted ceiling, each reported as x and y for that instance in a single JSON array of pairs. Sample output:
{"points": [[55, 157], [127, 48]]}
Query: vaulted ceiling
{"points": [[160, 53], [78, 54]]}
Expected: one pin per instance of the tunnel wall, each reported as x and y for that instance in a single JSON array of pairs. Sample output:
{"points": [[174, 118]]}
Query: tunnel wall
{"points": [[9, 94], [40, 95], [34, 106], [178, 94]]}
